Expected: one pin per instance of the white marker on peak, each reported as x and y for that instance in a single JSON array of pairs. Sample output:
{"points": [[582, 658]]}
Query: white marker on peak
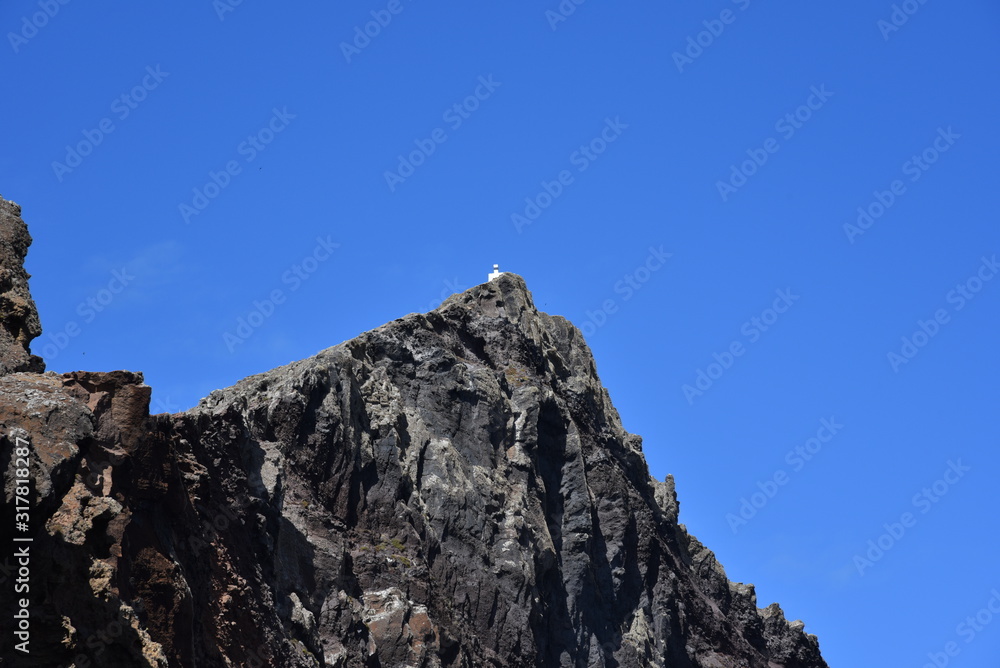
{"points": [[496, 273]]}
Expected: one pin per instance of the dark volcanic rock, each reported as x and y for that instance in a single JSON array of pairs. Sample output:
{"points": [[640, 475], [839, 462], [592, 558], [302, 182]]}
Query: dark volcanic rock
{"points": [[18, 317], [450, 489]]}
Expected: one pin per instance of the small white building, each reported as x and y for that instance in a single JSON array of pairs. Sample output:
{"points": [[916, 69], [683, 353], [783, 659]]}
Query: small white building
{"points": [[496, 273]]}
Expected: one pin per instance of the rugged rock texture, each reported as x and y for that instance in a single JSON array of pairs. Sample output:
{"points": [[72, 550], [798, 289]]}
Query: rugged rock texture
{"points": [[18, 317], [450, 489]]}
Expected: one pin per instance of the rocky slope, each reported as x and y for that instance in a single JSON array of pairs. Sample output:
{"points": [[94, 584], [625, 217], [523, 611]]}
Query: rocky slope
{"points": [[451, 489]]}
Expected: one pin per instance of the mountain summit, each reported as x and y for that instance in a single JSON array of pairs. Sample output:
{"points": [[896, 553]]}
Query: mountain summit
{"points": [[451, 489]]}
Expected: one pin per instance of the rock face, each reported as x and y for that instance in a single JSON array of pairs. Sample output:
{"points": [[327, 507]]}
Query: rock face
{"points": [[18, 317], [450, 489]]}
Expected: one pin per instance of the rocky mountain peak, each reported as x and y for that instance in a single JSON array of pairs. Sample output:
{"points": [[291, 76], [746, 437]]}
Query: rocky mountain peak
{"points": [[450, 489]]}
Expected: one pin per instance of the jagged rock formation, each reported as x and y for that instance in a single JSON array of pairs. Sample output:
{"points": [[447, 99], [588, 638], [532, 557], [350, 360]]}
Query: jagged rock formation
{"points": [[450, 489], [19, 322]]}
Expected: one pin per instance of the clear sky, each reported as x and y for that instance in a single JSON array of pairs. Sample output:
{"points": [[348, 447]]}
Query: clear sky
{"points": [[217, 189]]}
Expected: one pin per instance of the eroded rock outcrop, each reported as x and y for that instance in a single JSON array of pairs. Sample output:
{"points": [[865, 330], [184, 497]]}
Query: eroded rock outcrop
{"points": [[451, 489], [19, 322]]}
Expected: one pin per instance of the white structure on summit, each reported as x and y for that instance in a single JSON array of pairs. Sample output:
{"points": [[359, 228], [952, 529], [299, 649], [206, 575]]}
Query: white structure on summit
{"points": [[496, 272]]}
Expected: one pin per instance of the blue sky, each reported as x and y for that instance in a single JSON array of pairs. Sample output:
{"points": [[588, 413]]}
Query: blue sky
{"points": [[662, 174]]}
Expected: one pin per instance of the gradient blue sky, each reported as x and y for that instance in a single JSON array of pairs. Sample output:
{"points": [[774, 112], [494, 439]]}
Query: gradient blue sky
{"points": [[328, 130]]}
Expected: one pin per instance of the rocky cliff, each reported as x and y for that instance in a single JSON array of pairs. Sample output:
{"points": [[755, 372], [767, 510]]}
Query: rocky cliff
{"points": [[451, 489], [19, 322]]}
